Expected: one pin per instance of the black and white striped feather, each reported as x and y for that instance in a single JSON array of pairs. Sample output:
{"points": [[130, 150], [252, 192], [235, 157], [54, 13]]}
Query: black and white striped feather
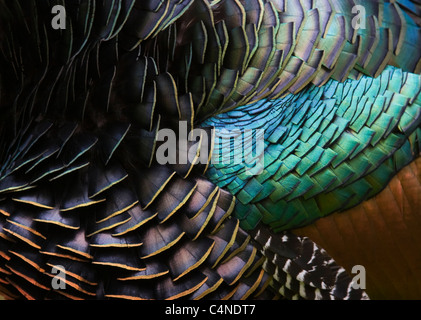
{"points": [[303, 270]]}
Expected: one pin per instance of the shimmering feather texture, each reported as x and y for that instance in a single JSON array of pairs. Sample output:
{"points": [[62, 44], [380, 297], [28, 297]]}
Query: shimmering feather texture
{"points": [[334, 84]]}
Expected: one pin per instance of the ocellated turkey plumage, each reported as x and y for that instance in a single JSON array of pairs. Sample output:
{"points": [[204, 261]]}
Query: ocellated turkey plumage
{"points": [[82, 107]]}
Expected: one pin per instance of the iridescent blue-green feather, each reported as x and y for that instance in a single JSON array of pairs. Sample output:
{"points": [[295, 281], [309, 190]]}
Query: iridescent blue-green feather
{"points": [[326, 149]]}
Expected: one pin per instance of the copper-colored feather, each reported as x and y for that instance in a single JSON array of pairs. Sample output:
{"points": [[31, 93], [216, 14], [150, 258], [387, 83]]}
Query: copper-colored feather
{"points": [[382, 235]]}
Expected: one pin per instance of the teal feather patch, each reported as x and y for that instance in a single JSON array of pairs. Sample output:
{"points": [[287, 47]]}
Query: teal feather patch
{"points": [[326, 149]]}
